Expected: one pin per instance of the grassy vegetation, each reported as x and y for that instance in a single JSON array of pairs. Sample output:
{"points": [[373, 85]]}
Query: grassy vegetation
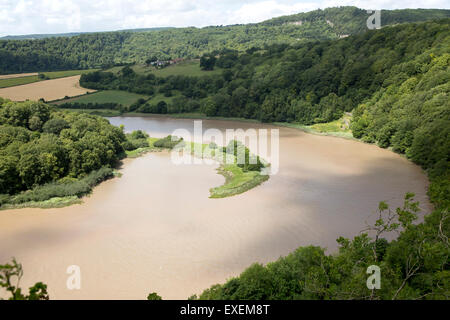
{"points": [[68, 73], [98, 112], [122, 97], [58, 194], [141, 151], [338, 128], [185, 68], [5, 83], [156, 98], [236, 181], [56, 202]]}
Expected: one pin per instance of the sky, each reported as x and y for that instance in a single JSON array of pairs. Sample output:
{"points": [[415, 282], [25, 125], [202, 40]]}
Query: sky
{"points": [[19, 17]]}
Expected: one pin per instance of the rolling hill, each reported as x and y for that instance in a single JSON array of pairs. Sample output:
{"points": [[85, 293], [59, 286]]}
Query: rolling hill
{"points": [[94, 50]]}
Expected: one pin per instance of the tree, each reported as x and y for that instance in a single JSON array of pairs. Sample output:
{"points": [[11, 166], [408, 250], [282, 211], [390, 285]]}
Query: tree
{"points": [[153, 296], [207, 62], [10, 276], [162, 107], [55, 126]]}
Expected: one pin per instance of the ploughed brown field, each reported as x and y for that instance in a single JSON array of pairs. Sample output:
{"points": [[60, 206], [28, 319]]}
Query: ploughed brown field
{"points": [[48, 90], [17, 75]]}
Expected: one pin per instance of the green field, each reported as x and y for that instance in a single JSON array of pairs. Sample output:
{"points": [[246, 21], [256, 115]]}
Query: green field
{"points": [[5, 83], [122, 97], [185, 68], [68, 73], [157, 97]]}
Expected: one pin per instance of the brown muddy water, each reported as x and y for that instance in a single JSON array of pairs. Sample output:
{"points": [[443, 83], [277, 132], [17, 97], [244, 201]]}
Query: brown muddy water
{"points": [[155, 229]]}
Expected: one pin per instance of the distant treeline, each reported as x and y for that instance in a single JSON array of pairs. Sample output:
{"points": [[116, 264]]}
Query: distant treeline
{"points": [[109, 48]]}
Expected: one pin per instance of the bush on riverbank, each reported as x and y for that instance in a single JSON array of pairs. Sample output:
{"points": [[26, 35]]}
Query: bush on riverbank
{"points": [[244, 159], [59, 189], [135, 140], [169, 142], [48, 153]]}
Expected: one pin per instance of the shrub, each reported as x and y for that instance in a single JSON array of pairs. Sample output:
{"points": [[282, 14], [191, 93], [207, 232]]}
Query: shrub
{"points": [[63, 188], [169, 142]]}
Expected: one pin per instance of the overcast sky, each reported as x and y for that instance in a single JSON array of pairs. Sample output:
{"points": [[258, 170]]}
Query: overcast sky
{"points": [[57, 16]]}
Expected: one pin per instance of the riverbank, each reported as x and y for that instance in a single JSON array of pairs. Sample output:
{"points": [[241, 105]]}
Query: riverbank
{"points": [[58, 194], [339, 128]]}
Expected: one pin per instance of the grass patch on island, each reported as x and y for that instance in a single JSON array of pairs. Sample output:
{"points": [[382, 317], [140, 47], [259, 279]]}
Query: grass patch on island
{"points": [[236, 181]]}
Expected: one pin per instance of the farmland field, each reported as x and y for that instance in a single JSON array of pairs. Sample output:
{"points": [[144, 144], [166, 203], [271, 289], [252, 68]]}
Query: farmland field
{"points": [[48, 90], [17, 75], [12, 80], [185, 68], [16, 81], [122, 97], [157, 97], [68, 73]]}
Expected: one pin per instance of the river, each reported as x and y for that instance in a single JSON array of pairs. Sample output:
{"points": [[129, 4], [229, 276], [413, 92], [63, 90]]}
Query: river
{"points": [[155, 230]]}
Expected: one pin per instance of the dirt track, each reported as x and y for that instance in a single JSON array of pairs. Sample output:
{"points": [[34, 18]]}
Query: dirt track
{"points": [[49, 90]]}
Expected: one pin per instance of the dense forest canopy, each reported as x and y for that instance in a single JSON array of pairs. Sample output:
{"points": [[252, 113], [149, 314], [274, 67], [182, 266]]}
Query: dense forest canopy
{"points": [[105, 49], [47, 153], [73, 34]]}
